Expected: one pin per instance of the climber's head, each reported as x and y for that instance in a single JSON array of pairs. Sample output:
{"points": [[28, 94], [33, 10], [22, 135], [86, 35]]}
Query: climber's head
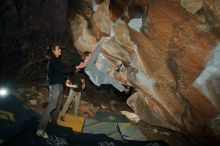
{"points": [[86, 56]]}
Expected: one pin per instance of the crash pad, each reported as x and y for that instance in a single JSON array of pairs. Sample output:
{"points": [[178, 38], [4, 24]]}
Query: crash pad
{"points": [[97, 127], [109, 117], [73, 122], [130, 132], [12, 115]]}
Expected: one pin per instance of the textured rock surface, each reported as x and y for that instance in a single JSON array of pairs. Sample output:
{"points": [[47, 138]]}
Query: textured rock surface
{"points": [[172, 62]]}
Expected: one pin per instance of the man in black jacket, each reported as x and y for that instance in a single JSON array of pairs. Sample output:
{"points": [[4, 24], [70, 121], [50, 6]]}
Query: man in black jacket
{"points": [[56, 70]]}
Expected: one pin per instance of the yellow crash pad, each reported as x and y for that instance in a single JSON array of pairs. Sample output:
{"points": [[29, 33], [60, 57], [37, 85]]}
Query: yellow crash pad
{"points": [[71, 121]]}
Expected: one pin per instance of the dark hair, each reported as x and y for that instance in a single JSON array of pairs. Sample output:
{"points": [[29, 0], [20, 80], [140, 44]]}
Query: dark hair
{"points": [[49, 52], [85, 54], [53, 46]]}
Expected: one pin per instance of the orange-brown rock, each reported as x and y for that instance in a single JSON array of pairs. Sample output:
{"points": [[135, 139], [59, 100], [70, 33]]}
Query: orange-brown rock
{"points": [[173, 62]]}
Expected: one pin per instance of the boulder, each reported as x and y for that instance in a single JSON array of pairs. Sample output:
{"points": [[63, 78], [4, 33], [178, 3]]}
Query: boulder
{"points": [[171, 62]]}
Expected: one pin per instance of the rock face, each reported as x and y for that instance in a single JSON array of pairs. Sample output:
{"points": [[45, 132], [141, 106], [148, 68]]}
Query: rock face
{"points": [[173, 62]]}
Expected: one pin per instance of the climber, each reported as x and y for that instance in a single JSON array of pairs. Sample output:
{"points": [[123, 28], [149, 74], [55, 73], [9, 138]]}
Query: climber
{"points": [[99, 75]]}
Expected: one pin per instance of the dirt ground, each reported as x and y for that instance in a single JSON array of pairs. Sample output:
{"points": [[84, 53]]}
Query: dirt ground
{"points": [[105, 99]]}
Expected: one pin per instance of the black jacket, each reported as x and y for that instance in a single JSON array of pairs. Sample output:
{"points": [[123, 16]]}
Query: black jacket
{"points": [[57, 71], [76, 79]]}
